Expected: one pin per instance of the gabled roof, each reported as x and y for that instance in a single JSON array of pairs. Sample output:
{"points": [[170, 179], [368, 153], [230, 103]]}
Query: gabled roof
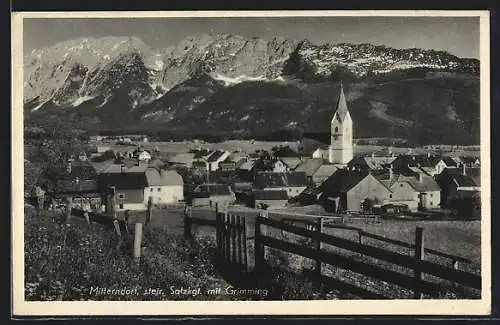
{"points": [[270, 195], [124, 181], [325, 171], [341, 109], [427, 184], [310, 166], [163, 177], [449, 162], [374, 162], [270, 179], [342, 181], [291, 162], [247, 165], [470, 179], [202, 153], [215, 155]]}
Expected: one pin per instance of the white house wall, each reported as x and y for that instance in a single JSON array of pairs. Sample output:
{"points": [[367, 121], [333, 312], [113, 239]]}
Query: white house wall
{"points": [[166, 194]]}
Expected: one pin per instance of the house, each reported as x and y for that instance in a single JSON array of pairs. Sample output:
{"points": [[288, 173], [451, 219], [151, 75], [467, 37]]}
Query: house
{"points": [[142, 155], [79, 182], [309, 167], [430, 164], [216, 158], [279, 166], [372, 162], [163, 186], [273, 199], [470, 161], [456, 184], [322, 152], [129, 188], [209, 194], [417, 192], [348, 188], [292, 182], [227, 166], [291, 162], [323, 172]]}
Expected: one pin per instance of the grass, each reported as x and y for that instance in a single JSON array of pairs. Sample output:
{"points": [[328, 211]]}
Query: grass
{"points": [[65, 261]]}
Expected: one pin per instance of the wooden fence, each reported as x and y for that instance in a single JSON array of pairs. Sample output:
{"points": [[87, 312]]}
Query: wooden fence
{"points": [[233, 241], [361, 234], [231, 237], [416, 263]]}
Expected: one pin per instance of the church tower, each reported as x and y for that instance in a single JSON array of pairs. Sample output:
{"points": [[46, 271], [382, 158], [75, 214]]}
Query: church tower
{"points": [[340, 150]]}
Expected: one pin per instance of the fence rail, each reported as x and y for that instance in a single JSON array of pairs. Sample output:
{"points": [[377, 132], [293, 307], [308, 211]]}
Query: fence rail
{"points": [[232, 239]]}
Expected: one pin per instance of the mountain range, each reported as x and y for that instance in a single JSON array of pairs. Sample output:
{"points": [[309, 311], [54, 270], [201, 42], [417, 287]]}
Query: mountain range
{"points": [[237, 87]]}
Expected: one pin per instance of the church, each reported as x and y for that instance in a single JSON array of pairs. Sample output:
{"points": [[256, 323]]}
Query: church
{"points": [[340, 150]]}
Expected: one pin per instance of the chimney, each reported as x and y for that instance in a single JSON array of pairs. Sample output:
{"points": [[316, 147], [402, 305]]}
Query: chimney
{"points": [[391, 173], [420, 177], [463, 169], [122, 168]]}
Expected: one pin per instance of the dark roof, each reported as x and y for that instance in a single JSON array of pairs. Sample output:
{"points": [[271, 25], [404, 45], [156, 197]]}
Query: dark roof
{"points": [[342, 181], [214, 156], [124, 181], [464, 180], [213, 189], [449, 162], [270, 179], [469, 159], [201, 153], [70, 186], [270, 195]]}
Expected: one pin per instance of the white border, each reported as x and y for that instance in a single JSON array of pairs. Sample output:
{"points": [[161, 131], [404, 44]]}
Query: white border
{"points": [[191, 308]]}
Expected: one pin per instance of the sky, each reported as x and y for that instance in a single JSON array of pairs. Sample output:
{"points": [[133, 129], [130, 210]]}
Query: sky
{"points": [[457, 35]]}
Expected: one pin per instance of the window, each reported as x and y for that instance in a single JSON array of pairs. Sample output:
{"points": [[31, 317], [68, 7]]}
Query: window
{"points": [[121, 196], [390, 196], [431, 202], [401, 185], [159, 189], [431, 195], [336, 129], [151, 189]]}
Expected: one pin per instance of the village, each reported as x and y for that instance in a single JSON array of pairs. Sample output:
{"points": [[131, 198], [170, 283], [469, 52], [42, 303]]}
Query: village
{"points": [[330, 176]]}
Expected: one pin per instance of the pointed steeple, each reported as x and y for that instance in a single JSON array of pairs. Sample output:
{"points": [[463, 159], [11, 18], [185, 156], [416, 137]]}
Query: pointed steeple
{"points": [[341, 110]]}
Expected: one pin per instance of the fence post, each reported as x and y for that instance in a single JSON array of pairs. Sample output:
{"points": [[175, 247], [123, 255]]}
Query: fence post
{"points": [[187, 226], [360, 236], [127, 221], [258, 249], [86, 216], [319, 230], [149, 213], [118, 232], [419, 256], [137, 242]]}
